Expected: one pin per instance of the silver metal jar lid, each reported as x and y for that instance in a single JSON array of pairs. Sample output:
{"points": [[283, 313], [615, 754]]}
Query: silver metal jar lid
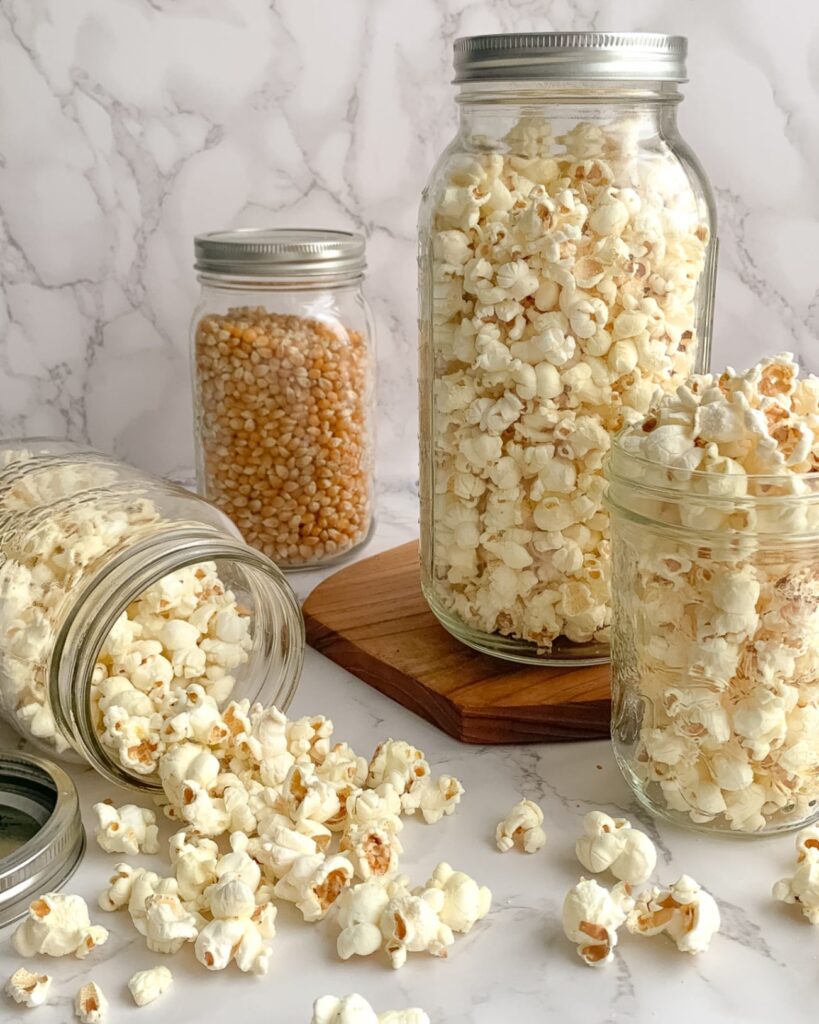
{"points": [[569, 56], [41, 834], [280, 252]]}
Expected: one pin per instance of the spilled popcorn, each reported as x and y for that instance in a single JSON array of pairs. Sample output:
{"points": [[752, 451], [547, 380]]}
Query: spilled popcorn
{"points": [[58, 925], [90, 1004], [272, 808], [522, 825], [28, 989], [685, 912], [591, 917], [718, 598], [612, 844], [564, 278], [354, 1009], [146, 986], [802, 887]]}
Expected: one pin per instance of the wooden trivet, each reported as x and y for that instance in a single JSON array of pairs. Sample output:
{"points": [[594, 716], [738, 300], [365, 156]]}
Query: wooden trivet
{"points": [[371, 618]]}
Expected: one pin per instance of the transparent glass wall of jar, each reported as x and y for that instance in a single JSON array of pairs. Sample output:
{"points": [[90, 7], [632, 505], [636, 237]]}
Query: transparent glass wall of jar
{"points": [[124, 599], [284, 378], [567, 259], [715, 674]]}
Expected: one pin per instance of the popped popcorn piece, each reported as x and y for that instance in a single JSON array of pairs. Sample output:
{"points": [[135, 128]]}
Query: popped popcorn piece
{"points": [[146, 986], [240, 940], [523, 825], [465, 902], [167, 925], [90, 1004], [359, 914], [194, 860], [802, 887], [612, 844], [411, 923], [686, 913], [27, 988], [397, 764], [126, 829], [433, 797], [373, 849], [305, 795], [591, 916], [58, 925], [314, 883], [354, 1009]]}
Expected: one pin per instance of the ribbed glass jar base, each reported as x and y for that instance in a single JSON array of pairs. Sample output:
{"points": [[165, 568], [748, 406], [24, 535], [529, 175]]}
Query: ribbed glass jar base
{"points": [[563, 653], [651, 797]]}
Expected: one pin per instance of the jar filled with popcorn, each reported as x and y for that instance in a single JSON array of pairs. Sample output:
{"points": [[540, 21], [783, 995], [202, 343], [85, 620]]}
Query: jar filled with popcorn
{"points": [[714, 503], [133, 616], [284, 380], [567, 259]]}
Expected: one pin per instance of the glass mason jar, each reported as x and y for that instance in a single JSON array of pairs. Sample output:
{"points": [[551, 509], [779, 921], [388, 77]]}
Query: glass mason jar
{"points": [[715, 667], [284, 386], [567, 260], [112, 580]]}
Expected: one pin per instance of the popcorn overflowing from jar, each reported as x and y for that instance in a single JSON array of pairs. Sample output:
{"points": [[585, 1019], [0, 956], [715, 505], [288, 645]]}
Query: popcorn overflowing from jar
{"points": [[565, 276], [715, 520]]}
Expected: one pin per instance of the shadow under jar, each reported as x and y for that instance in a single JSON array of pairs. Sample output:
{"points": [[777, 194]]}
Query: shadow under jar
{"points": [[125, 599], [284, 380], [567, 258], [715, 665]]}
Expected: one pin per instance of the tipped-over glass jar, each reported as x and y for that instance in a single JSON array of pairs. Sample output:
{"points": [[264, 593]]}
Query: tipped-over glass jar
{"points": [[120, 596], [284, 381], [567, 257], [715, 662]]}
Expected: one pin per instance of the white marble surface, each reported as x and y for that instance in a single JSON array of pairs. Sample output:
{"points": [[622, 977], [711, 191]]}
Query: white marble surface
{"points": [[126, 126], [516, 965]]}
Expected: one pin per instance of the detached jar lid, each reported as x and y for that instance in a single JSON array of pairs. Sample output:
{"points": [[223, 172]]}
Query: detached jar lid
{"points": [[568, 56], [41, 835], [280, 252]]}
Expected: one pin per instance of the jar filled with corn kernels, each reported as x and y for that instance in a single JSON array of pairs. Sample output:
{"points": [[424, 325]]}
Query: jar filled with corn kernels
{"points": [[284, 378]]}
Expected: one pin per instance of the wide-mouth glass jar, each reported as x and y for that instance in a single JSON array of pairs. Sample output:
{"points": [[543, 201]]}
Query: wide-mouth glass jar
{"points": [[715, 665], [119, 592], [284, 390], [567, 259]]}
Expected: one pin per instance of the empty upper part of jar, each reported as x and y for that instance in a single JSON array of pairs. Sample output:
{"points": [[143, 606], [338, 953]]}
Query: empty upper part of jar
{"points": [[131, 611]]}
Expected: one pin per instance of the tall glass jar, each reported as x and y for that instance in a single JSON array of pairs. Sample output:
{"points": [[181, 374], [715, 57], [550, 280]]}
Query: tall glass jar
{"points": [[567, 260], [284, 380], [715, 666], [118, 589]]}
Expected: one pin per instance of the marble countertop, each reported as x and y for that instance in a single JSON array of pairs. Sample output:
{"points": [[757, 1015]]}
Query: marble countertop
{"points": [[516, 965]]}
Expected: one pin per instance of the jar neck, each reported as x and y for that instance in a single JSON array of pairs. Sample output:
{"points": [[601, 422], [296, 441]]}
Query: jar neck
{"points": [[484, 104], [326, 282], [106, 595]]}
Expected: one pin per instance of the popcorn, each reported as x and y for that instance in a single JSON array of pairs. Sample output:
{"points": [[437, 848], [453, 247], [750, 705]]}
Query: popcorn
{"points": [[305, 795], [57, 925], [90, 1004], [802, 887], [359, 913], [465, 902], [591, 916], [523, 825], [127, 829], [314, 883], [146, 986], [411, 923], [686, 913], [27, 988], [729, 734], [434, 798], [354, 1009], [612, 844], [167, 925], [373, 849], [398, 764]]}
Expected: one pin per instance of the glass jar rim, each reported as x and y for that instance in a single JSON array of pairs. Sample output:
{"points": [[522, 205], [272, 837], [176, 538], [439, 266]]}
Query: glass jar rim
{"points": [[679, 478], [73, 681]]}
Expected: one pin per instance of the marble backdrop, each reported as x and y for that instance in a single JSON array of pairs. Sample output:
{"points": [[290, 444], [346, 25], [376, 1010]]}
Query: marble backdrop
{"points": [[126, 126]]}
